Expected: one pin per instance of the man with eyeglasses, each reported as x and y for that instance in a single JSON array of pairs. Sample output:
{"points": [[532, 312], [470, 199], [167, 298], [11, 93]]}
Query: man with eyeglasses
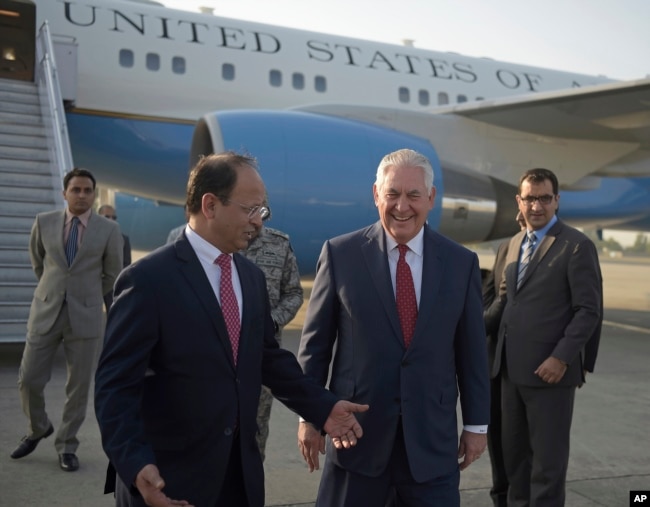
{"points": [[551, 297], [271, 251], [189, 343]]}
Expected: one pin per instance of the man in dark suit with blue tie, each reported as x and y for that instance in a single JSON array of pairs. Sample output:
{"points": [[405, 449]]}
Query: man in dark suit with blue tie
{"points": [[408, 365], [189, 343], [548, 338]]}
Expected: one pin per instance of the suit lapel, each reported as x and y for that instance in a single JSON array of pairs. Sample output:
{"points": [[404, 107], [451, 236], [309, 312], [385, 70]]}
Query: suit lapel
{"points": [[92, 234], [375, 255], [432, 268], [52, 234], [540, 251], [199, 284]]}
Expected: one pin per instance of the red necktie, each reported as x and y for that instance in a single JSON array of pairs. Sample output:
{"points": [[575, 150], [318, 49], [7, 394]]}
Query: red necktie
{"points": [[407, 306], [229, 306]]}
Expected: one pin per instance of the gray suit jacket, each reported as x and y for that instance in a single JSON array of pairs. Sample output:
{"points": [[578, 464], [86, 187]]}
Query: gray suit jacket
{"points": [[83, 284], [556, 311]]}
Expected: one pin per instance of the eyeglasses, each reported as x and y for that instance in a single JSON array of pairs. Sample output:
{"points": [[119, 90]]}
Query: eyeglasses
{"points": [[529, 200], [262, 211], [112, 217]]}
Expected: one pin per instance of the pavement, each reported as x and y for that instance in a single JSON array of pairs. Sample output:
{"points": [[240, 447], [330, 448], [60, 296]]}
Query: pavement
{"points": [[610, 451]]}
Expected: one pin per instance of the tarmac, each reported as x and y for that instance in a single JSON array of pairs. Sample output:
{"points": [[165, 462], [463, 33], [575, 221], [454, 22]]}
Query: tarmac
{"points": [[610, 454]]}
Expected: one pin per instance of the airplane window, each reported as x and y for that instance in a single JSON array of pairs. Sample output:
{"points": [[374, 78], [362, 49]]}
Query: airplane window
{"points": [[423, 98], [126, 58], [275, 78], [178, 65], [404, 94], [228, 71], [153, 61], [320, 83], [298, 81], [443, 99], [461, 98]]}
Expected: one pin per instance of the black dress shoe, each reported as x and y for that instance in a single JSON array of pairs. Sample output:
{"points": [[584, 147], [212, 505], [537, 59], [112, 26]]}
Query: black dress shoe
{"points": [[68, 462], [27, 445]]}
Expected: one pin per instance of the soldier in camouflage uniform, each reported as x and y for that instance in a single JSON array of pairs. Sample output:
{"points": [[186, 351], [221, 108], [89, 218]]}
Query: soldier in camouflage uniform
{"points": [[272, 253]]}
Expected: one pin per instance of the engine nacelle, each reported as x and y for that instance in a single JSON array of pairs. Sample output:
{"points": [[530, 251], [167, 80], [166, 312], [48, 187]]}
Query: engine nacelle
{"points": [[319, 172]]}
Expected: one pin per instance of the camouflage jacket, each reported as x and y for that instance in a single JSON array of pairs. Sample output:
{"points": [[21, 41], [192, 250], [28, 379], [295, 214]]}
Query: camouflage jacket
{"points": [[271, 251]]}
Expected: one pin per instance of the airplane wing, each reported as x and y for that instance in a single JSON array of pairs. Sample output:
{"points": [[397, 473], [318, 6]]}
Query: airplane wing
{"points": [[601, 130]]}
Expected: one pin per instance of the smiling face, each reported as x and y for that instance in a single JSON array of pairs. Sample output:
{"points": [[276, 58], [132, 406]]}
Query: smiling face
{"points": [[403, 201]]}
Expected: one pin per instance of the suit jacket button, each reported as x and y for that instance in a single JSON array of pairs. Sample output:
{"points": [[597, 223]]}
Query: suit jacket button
{"points": [[227, 432]]}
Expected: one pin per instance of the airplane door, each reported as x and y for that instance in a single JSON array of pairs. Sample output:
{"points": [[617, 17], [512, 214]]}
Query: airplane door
{"points": [[17, 39]]}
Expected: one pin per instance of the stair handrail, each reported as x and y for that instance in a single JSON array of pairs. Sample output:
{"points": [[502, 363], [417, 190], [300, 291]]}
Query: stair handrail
{"points": [[48, 75]]}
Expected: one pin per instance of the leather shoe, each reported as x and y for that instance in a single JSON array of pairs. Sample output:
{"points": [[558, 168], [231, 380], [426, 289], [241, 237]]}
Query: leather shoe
{"points": [[27, 445], [68, 462]]}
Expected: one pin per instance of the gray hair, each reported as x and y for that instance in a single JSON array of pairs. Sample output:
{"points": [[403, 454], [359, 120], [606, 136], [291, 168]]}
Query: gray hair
{"points": [[405, 158]]}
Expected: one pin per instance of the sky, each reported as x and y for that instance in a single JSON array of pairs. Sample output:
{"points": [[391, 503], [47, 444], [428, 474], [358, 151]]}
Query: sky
{"points": [[595, 37]]}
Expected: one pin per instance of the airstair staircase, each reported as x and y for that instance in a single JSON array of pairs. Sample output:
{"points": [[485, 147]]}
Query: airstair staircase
{"points": [[30, 182]]}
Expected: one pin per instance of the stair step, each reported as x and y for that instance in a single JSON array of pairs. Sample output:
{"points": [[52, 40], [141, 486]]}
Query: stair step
{"points": [[20, 119], [11, 165], [15, 256], [25, 130], [18, 97], [16, 312], [17, 292], [21, 179], [16, 273], [18, 153], [20, 108], [15, 239], [26, 194], [25, 208], [13, 332], [18, 86], [22, 141]]}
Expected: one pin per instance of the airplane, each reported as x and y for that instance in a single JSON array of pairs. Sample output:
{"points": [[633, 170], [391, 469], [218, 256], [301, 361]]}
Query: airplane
{"points": [[149, 89]]}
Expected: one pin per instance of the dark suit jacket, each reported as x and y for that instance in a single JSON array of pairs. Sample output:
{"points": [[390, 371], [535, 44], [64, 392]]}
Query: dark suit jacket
{"points": [[556, 311], [352, 304], [167, 391], [81, 285], [491, 315]]}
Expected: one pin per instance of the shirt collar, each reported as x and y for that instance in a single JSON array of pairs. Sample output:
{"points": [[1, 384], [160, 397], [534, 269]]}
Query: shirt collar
{"points": [[540, 233], [205, 251], [416, 245], [83, 218]]}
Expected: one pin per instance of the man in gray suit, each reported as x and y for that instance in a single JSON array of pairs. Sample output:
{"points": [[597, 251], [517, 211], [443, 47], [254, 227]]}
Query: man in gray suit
{"points": [[76, 255], [552, 298]]}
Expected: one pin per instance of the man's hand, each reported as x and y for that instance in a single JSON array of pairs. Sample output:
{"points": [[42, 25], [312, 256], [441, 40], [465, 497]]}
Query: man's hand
{"points": [[310, 442], [342, 426], [551, 370], [471, 446], [150, 485]]}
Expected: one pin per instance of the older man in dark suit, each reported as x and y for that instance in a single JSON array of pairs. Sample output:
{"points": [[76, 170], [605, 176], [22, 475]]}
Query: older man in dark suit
{"points": [[76, 256], [548, 337], [397, 307], [189, 343]]}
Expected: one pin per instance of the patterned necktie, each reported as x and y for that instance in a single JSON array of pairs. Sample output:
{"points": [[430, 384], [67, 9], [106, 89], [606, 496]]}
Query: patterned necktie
{"points": [[229, 306], [407, 306], [71, 244], [525, 260]]}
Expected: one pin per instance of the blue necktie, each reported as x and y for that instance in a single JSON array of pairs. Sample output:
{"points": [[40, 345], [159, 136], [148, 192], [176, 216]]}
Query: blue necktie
{"points": [[71, 245], [525, 260]]}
